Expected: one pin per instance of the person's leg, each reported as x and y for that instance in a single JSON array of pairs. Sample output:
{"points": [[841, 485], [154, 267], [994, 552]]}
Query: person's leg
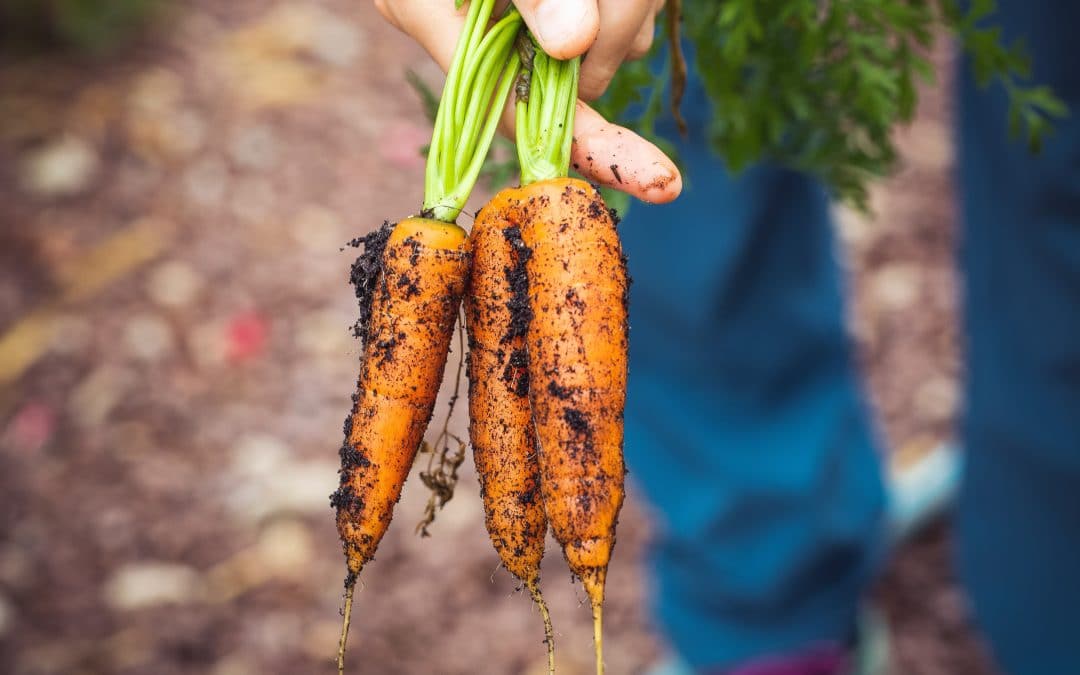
{"points": [[1019, 510], [745, 425]]}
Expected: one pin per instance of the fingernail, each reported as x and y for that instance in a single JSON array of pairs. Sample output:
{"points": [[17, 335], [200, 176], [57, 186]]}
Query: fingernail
{"points": [[560, 26]]}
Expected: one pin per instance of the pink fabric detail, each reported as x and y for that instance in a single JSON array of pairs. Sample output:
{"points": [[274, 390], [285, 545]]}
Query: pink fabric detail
{"points": [[825, 660]]}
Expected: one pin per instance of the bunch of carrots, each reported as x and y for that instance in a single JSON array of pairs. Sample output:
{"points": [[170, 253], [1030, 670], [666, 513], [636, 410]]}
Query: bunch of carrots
{"points": [[544, 285]]}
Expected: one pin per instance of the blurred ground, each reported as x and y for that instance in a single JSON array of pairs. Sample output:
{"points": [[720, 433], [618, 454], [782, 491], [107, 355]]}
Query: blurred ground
{"points": [[175, 366]]}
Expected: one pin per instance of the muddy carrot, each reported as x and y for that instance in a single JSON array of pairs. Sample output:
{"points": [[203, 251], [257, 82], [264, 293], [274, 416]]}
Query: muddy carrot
{"points": [[500, 420], [577, 336], [410, 281]]}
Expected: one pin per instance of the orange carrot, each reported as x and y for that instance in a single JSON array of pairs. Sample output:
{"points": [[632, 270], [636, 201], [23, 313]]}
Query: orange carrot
{"points": [[577, 344], [500, 424], [410, 294], [410, 282]]}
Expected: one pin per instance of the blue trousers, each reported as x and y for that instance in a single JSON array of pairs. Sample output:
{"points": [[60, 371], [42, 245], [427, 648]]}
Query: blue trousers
{"points": [[747, 429]]}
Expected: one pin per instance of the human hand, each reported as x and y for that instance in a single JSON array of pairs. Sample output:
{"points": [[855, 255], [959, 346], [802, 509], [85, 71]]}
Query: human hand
{"points": [[611, 31]]}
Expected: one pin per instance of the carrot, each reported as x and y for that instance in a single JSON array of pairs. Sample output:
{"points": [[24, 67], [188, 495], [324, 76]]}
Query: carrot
{"points": [[420, 281], [500, 424], [577, 337], [410, 281], [412, 289], [577, 342]]}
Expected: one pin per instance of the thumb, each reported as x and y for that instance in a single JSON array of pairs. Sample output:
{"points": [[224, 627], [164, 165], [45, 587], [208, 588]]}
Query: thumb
{"points": [[564, 28]]}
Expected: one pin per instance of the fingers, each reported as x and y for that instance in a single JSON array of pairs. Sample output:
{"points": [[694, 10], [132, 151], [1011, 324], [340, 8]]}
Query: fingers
{"points": [[613, 156], [602, 152], [618, 158], [564, 28], [644, 39], [620, 23], [434, 24]]}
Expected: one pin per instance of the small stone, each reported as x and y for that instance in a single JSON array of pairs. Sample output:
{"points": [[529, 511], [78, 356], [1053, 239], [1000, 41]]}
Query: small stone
{"points": [[320, 637], [296, 487], [285, 547], [265, 480], [324, 333], [98, 394], [896, 286], [259, 454], [209, 344], [148, 337], [254, 147], [71, 334], [205, 182], [936, 399], [188, 130], [236, 664], [928, 145], [253, 200], [855, 228], [268, 63], [62, 168], [174, 284], [336, 41], [148, 584], [318, 229], [157, 90], [166, 135]]}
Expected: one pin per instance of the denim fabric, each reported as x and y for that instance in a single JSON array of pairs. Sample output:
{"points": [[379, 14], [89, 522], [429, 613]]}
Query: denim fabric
{"points": [[1019, 511], [746, 429]]}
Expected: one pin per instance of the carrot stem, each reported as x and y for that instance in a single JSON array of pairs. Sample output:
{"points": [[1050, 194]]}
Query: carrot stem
{"points": [[545, 119], [477, 86]]}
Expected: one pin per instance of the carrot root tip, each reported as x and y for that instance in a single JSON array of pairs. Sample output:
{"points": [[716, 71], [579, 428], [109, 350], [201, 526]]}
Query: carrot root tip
{"points": [[345, 621], [549, 630]]}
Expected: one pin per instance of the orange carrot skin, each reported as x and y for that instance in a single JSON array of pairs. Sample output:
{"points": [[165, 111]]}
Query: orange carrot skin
{"points": [[577, 342], [424, 271], [500, 421]]}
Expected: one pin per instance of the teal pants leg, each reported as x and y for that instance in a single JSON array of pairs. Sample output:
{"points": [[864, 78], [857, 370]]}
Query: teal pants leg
{"points": [[1019, 511], [746, 429]]}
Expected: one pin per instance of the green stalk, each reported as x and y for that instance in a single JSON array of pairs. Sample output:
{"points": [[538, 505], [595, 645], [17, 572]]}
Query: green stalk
{"points": [[510, 22], [442, 118], [545, 120], [477, 85], [485, 80]]}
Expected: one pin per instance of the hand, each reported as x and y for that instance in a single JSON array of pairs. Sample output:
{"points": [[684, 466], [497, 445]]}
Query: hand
{"points": [[611, 31], [602, 152]]}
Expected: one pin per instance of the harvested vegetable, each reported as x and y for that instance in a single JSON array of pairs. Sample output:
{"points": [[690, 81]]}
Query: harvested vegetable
{"points": [[410, 281], [500, 420], [577, 343], [574, 316]]}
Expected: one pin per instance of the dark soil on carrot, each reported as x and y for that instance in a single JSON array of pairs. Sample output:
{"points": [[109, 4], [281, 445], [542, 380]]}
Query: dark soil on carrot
{"points": [[366, 270], [521, 313], [184, 390]]}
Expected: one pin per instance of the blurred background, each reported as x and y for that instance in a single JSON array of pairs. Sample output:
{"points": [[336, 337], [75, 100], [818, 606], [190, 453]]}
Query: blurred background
{"points": [[177, 182]]}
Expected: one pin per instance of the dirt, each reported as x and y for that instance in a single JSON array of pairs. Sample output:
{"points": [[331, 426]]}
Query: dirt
{"points": [[170, 417]]}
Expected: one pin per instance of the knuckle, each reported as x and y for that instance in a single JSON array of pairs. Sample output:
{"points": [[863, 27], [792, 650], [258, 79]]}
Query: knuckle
{"points": [[640, 46], [595, 80]]}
